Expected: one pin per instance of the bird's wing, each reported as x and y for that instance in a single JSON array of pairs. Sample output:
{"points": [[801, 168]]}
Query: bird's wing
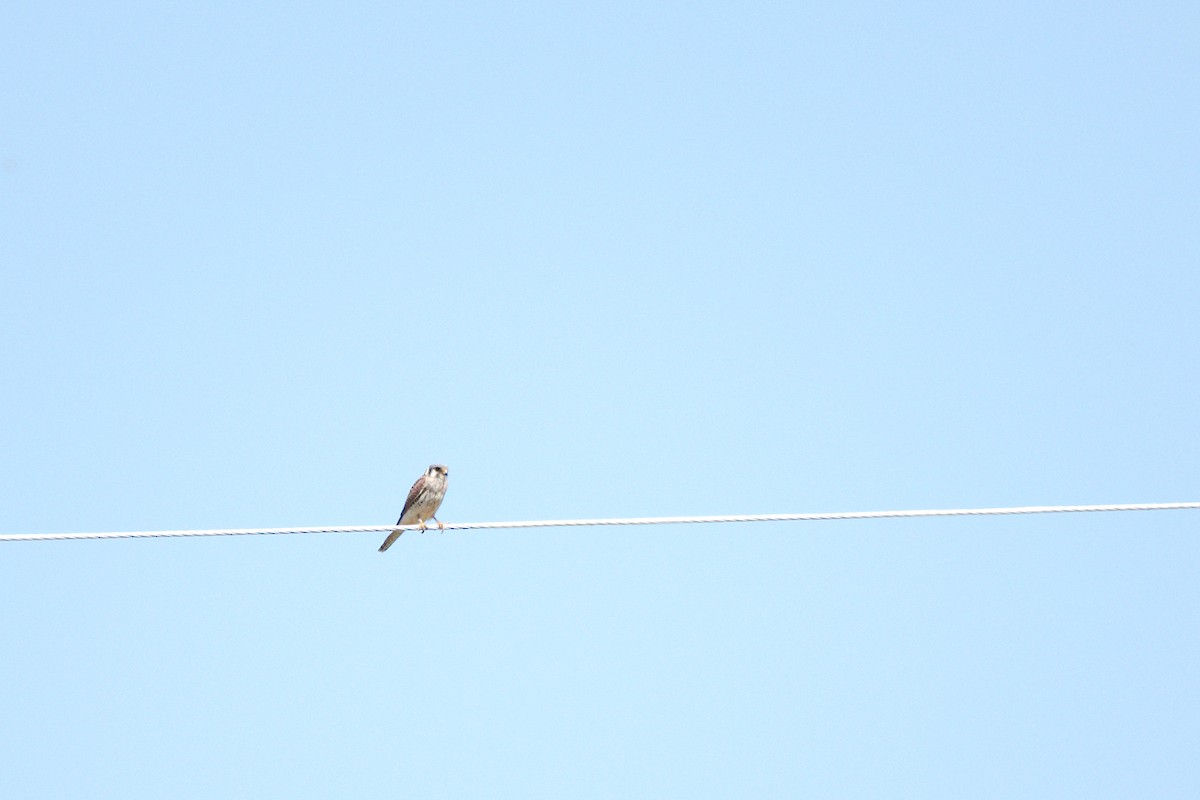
{"points": [[413, 494]]}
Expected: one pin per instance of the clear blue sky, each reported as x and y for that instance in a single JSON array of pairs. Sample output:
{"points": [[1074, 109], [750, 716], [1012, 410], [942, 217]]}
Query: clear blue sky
{"points": [[263, 264]]}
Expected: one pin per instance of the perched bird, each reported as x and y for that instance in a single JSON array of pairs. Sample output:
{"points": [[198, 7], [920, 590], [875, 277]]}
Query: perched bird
{"points": [[424, 499]]}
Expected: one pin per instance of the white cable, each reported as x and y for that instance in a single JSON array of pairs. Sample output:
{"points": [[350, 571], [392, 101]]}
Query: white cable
{"points": [[579, 523]]}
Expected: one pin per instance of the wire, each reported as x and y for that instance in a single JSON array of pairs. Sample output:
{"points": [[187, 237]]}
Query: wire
{"points": [[584, 523]]}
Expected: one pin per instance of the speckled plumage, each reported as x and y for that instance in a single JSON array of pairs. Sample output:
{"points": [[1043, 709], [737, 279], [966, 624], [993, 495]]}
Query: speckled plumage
{"points": [[424, 499]]}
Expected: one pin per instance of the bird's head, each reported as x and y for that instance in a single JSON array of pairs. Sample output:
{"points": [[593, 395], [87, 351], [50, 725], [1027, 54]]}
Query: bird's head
{"points": [[437, 471]]}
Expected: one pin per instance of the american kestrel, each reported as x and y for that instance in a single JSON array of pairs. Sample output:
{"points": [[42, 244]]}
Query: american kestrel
{"points": [[424, 499]]}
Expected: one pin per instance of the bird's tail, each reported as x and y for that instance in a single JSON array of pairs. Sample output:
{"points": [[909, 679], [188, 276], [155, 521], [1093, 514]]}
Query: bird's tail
{"points": [[392, 537]]}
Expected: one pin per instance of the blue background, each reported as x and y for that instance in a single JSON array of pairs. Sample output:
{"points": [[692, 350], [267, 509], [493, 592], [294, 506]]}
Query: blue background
{"points": [[262, 264]]}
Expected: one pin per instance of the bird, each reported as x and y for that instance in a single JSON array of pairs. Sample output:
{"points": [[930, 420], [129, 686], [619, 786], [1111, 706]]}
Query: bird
{"points": [[424, 499]]}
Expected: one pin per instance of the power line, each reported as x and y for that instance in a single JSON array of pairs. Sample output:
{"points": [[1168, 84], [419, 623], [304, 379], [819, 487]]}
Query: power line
{"points": [[584, 523]]}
